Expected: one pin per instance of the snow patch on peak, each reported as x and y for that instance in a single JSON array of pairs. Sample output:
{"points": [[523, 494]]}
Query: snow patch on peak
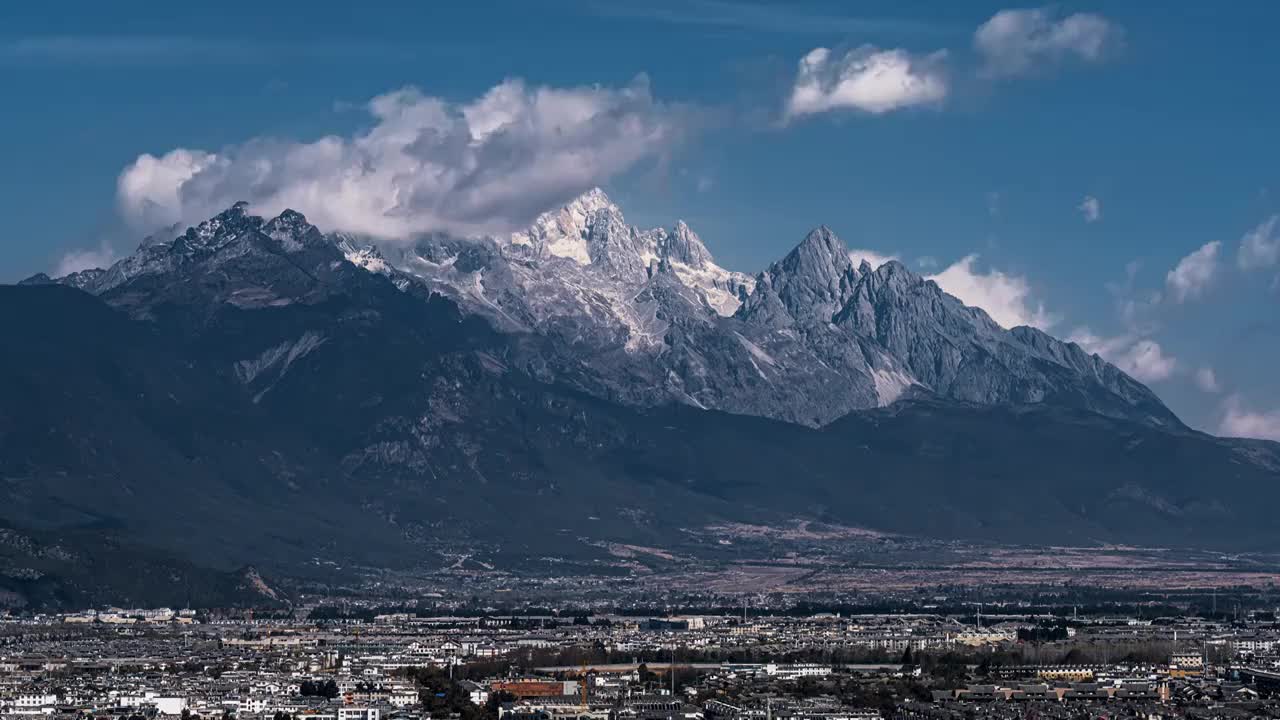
{"points": [[720, 288], [360, 254], [563, 233], [591, 201]]}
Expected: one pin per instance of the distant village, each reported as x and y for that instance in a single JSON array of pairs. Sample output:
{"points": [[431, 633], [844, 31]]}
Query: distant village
{"points": [[132, 664]]}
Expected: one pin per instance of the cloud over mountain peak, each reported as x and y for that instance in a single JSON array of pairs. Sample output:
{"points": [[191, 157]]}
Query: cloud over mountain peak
{"points": [[426, 164]]}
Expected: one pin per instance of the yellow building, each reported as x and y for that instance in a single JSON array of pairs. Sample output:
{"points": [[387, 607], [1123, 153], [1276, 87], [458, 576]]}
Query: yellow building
{"points": [[1066, 673], [1184, 665]]}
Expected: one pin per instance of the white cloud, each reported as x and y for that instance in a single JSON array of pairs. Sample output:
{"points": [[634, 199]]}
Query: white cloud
{"points": [[866, 79], [150, 190], [1018, 42], [85, 259], [1142, 358], [1107, 347], [1146, 361], [1091, 208], [1238, 421], [1207, 380], [1194, 273], [1260, 247], [872, 257], [426, 164], [1006, 298]]}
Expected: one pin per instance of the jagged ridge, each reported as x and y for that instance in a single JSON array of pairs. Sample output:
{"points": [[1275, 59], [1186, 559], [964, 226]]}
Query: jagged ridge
{"points": [[262, 387], [646, 317]]}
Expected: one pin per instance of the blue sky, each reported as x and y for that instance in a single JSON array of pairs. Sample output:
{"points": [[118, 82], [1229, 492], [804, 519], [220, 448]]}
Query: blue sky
{"points": [[933, 132]]}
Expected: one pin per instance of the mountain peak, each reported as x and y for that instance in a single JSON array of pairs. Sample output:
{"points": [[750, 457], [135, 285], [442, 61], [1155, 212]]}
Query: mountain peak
{"points": [[238, 210], [37, 279], [227, 224], [821, 231], [291, 229], [592, 200], [812, 282], [683, 245], [563, 232], [821, 258], [894, 273], [821, 239]]}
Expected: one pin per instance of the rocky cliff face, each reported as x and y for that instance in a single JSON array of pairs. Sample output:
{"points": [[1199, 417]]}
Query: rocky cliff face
{"points": [[647, 317]]}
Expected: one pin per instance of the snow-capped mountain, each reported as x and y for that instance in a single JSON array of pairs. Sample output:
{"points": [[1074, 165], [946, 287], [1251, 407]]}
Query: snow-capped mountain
{"points": [[647, 317], [582, 260], [237, 392]]}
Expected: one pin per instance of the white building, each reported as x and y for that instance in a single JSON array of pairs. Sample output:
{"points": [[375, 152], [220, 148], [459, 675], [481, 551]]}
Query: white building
{"points": [[797, 671], [359, 713]]}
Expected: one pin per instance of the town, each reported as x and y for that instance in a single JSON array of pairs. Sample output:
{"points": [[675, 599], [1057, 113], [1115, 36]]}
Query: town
{"points": [[348, 661]]}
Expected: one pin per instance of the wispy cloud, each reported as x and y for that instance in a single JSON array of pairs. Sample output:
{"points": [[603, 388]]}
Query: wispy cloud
{"points": [[995, 200], [136, 49], [783, 18], [873, 258], [1241, 421], [1135, 349], [1090, 208], [1207, 380], [85, 259], [1194, 273], [1142, 358], [1024, 41], [1260, 247]]}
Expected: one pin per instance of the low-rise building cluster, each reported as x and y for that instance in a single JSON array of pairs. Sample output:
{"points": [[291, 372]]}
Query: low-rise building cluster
{"points": [[122, 663]]}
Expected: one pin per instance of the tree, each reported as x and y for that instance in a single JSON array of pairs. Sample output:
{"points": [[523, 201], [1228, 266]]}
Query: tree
{"points": [[325, 689]]}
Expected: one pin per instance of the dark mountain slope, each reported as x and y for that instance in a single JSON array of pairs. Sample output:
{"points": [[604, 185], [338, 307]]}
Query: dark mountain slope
{"points": [[93, 567], [443, 447], [244, 394], [399, 439], [465, 447], [104, 422], [1040, 474], [1033, 475]]}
